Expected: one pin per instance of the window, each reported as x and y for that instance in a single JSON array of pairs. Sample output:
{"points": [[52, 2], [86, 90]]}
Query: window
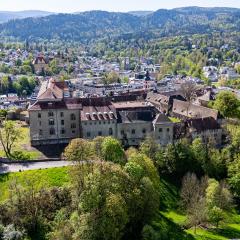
{"points": [[73, 117], [85, 124], [50, 114], [40, 123], [39, 115], [168, 129], [110, 131], [133, 131], [160, 130], [61, 114], [73, 125], [99, 133], [63, 131], [51, 122], [73, 131], [52, 131], [122, 132], [144, 131], [40, 132], [88, 134], [62, 122]]}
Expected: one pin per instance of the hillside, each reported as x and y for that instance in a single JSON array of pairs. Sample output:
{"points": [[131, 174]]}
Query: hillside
{"points": [[9, 15], [93, 25]]}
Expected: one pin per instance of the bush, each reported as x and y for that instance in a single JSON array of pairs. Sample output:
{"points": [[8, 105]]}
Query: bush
{"points": [[20, 156]]}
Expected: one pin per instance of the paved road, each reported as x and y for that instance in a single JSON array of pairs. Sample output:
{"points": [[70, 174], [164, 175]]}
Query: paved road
{"points": [[17, 167]]}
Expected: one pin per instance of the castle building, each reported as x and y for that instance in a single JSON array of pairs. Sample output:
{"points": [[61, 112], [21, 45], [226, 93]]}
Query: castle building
{"points": [[55, 118]]}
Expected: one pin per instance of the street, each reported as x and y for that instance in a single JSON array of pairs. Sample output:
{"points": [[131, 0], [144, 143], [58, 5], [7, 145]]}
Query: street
{"points": [[17, 167]]}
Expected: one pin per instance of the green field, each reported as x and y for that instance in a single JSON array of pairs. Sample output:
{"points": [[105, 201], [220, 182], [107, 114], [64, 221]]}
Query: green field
{"points": [[169, 220], [23, 143], [41, 178], [173, 220]]}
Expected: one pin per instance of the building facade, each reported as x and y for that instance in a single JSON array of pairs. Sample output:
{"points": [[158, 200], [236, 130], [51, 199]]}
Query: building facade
{"points": [[55, 118]]}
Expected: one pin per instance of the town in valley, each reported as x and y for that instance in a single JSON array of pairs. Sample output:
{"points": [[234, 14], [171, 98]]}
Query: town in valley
{"points": [[120, 125]]}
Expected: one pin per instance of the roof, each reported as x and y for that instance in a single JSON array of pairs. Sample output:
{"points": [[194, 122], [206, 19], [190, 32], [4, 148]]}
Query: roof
{"points": [[190, 110], [203, 124], [96, 113], [50, 91], [70, 104], [161, 118], [128, 105], [157, 98], [40, 59], [136, 116]]}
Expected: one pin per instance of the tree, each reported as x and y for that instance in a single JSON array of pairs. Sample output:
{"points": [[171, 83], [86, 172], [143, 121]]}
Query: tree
{"points": [[150, 147], [112, 151], [111, 77], [216, 215], [218, 195], [79, 150], [102, 204], [198, 214], [188, 90], [9, 134], [193, 200], [227, 104], [234, 175]]}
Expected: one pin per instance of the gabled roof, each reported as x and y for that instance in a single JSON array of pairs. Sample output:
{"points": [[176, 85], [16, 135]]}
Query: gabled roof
{"points": [[40, 59], [161, 118], [49, 91], [157, 98], [189, 110]]}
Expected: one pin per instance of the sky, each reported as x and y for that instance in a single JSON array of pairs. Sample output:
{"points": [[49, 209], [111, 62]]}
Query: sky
{"points": [[109, 5]]}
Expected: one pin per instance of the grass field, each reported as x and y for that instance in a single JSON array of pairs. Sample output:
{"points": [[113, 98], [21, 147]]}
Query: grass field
{"points": [[46, 177], [169, 220], [173, 221], [23, 143]]}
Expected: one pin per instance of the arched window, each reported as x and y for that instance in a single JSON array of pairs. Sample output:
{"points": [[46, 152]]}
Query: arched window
{"points": [[73, 117]]}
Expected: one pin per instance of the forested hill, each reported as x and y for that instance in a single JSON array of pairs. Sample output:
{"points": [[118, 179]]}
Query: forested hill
{"points": [[99, 24], [9, 15]]}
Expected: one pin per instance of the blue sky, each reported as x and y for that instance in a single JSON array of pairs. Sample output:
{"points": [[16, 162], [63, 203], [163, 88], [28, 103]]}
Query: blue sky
{"points": [[109, 5]]}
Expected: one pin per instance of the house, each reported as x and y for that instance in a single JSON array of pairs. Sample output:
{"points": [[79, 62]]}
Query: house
{"points": [[207, 129], [40, 64]]}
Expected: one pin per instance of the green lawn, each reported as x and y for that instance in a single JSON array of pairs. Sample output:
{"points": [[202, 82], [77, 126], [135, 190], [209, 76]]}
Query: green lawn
{"points": [[23, 143], [46, 177], [171, 221]]}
